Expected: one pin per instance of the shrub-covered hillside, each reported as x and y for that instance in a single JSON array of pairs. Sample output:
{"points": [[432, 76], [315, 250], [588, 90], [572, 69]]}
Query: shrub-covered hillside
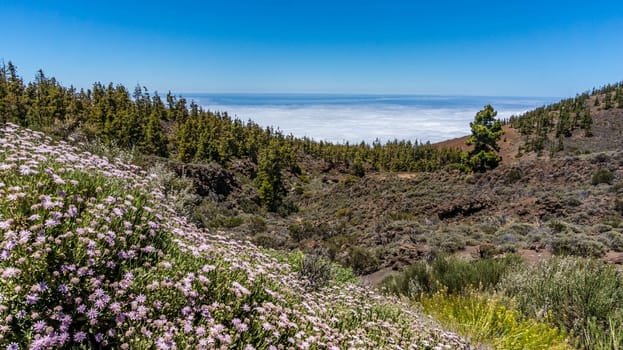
{"points": [[91, 256]]}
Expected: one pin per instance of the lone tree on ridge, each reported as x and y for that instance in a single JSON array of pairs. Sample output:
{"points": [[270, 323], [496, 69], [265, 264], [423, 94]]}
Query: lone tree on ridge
{"points": [[486, 131]]}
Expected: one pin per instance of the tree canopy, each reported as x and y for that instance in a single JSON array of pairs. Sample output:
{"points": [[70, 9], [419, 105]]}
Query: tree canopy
{"points": [[486, 131]]}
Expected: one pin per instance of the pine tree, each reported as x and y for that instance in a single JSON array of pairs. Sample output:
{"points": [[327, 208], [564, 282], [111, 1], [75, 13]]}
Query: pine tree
{"points": [[15, 104], [269, 179], [155, 140], [4, 91], [607, 101], [587, 122], [486, 131]]}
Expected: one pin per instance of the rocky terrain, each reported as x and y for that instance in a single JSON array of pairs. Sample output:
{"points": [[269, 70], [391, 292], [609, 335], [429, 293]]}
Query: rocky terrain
{"points": [[568, 202]]}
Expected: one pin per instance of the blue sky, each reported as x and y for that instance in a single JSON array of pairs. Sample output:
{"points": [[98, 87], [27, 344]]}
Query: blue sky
{"points": [[498, 48]]}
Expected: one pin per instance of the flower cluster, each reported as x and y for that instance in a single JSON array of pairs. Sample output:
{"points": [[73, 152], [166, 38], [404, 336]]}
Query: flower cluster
{"points": [[92, 256]]}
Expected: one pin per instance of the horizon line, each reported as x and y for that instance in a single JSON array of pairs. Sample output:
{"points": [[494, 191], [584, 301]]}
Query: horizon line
{"points": [[397, 94]]}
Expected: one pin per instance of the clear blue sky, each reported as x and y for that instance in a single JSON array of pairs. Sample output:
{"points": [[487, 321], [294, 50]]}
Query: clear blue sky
{"points": [[513, 48]]}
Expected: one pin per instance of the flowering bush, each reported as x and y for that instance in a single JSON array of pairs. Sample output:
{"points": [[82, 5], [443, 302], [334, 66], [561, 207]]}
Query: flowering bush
{"points": [[92, 256]]}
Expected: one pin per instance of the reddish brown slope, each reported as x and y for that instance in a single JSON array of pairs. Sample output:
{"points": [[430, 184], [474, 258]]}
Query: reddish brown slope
{"points": [[509, 145]]}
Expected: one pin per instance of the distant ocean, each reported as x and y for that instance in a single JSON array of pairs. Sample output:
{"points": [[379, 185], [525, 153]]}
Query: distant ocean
{"points": [[356, 118]]}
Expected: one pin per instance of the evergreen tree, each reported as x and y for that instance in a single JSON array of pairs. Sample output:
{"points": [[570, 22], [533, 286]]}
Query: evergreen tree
{"points": [[269, 179], [564, 125], [607, 101], [486, 131], [155, 140], [15, 105], [619, 97], [587, 122], [4, 90]]}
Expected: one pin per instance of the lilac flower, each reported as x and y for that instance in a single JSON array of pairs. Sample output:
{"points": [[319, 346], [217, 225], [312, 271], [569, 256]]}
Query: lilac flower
{"points": [[5, 225], [72, 211], [63, 338], [51, 222], [92, 314], [115, 307], [39, 326], [141, 298], [164, 344], [42, 286], [24, 236], [80, 336], [10, 244], [63, 289], [12, 346], [47, 202], [58, 180], [32, 298]]}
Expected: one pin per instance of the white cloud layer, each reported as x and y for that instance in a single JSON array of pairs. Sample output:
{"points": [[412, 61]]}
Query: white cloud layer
{"points": [[354, 122]]}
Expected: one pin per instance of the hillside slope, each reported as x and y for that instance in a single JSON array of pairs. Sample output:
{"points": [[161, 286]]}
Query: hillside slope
{"points": [[564, 202], [92, 256]]}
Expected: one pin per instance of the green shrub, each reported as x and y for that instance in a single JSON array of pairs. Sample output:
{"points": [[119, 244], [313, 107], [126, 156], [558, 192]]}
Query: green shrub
{"points": [[268, 241], [230, 222], [513, 175], [577, 293], [600, 336], [490, 321], [362, 260], [615, 221], [315, 270], [602, 176], [486, 251], [613, 239], [616, 188], [448, 242], [337, 244], [357, 169], [180, 190], [299, 232], [458, 275], [413, 281], [343, 212], [577, 245], [248, 205], [297, 259], [287, 207], [256, 224], [618, 205], [450, 274], [298, 189], [557, 226], [350, 180], [401, 216]]}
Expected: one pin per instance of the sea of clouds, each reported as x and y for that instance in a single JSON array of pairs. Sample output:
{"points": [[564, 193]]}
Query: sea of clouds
{"points": [[367, 119]]}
